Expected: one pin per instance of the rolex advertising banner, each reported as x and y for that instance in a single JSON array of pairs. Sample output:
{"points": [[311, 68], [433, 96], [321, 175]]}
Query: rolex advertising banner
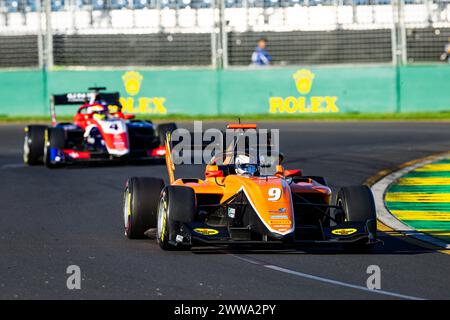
{"points": [[271, 91]]}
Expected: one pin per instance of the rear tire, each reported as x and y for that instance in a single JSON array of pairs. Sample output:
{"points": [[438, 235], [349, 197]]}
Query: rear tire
{"points": [[141, 198], [55, 138], [357, 205], [165, 128], [33, 148], [176, 206]]}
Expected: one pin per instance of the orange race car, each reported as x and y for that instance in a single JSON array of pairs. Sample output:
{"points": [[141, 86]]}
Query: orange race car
{"points": [[238, 203]]}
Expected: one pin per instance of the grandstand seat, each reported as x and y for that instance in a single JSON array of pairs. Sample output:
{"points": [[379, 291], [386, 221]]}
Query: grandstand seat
{"points": [[30, 5], [200, 4], [57, 5], [12, 5], [172, 4], [184, 3], [139, 4], [83, 3], [98, 4], [118, 4], [233, 3]]}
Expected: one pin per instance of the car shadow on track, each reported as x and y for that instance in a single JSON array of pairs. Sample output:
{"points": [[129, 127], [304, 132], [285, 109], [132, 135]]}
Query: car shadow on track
{"points": [[310, 251]]}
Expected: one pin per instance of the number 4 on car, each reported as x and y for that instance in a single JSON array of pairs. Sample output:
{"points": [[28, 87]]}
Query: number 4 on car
{"points": [[100, 131]]}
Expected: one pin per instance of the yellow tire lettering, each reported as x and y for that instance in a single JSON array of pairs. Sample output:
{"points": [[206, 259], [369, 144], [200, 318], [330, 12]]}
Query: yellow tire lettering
{"points": [[129, 203]]}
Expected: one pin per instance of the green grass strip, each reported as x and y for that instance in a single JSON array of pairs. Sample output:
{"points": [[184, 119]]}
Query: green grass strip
{"points": [[427, 174], [420, 189], [430, 225], [443, 161], [419, 206]]}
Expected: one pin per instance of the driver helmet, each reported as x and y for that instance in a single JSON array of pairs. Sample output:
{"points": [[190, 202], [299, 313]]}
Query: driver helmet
{"points": [[98, 112], [244, 167]]}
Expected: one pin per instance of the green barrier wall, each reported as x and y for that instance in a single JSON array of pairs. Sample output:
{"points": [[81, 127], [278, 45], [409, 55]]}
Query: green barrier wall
{"points": [[248, 91]]}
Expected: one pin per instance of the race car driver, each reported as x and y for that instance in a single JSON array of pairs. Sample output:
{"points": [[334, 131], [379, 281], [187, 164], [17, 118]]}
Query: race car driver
{"points": [[244, 167], [92, 134]]}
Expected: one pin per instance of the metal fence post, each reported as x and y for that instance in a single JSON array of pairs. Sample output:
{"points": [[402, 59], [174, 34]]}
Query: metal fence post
{"points": [[223, 35], [73, 11], [403, 47], [40, 44], [394, 32], [48, 35], [158, 7], [41, 55], [219, 51], [429, 4], [354, 11], [399, 47], [245, 6], [214, 49], [214, 36], [399, 54]]}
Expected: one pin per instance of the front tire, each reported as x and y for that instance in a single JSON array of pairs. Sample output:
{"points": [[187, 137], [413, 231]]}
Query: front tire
{"points": [[33, 148], [358, 205], [140, 206], [176, 206]]}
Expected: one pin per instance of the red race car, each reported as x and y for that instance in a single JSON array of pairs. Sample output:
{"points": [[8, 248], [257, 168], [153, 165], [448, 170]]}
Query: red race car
{"points": [[99, 131]]}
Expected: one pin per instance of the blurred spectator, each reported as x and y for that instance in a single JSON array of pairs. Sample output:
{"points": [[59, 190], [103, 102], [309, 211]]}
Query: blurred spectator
{"points": [[446, 54], [261, 56]]}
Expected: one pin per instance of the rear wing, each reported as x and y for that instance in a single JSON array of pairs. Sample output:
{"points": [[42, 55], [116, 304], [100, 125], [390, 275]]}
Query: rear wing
{"points": [[243, 126], [79, 98]]}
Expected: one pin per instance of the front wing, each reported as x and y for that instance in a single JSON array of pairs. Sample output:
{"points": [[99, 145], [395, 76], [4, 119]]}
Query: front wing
{"points": [[71, 156], [202, 234]]}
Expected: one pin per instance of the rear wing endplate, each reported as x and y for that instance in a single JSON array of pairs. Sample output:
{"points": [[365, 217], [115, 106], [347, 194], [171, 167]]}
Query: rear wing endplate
{"points": [[78, 98]]}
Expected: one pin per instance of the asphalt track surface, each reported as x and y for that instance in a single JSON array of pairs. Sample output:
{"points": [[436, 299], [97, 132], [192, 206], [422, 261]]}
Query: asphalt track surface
{"points": [[50, 219]]}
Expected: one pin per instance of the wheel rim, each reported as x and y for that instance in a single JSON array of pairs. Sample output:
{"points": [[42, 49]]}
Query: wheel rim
{"points": [[162, 216], [127, 210], [46, 160], [26, 150], [46, 149]]}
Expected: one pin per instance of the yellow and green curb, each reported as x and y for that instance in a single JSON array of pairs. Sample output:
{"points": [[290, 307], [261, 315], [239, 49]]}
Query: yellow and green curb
{"points": [[421, 198], [413, 200]]}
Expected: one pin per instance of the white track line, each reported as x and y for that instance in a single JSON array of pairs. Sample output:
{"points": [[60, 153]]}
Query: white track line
{"points": [[325, 280], [386, 217]]}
